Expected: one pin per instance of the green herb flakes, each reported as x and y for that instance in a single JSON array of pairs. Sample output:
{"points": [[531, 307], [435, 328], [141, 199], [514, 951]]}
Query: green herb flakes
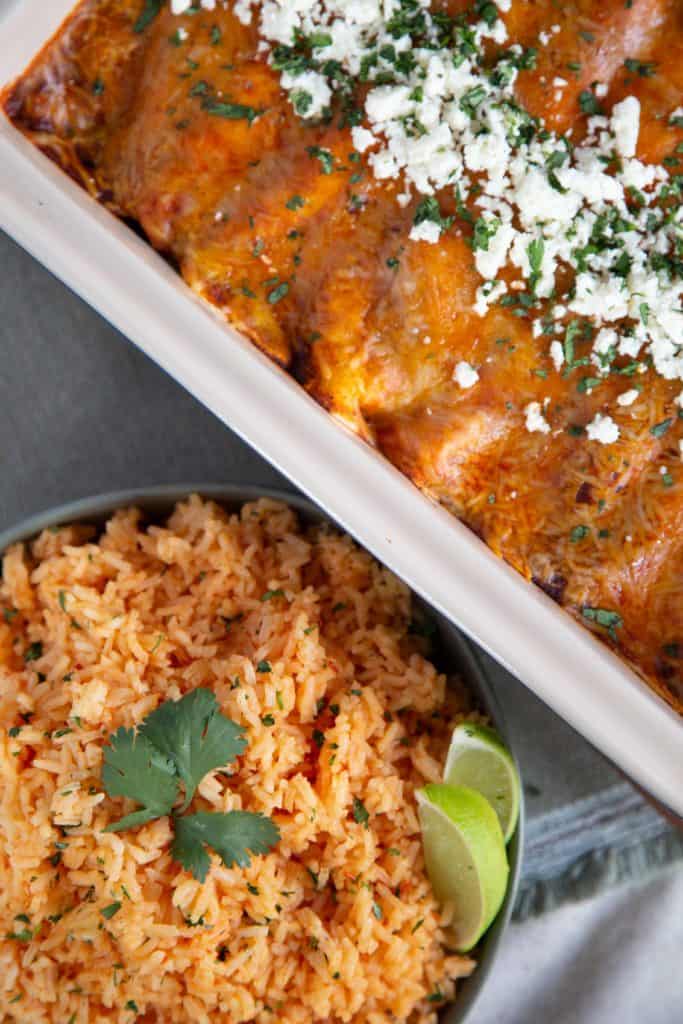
{"points": [[360, 814], [660, 429], [324, 156], [33, 652], [278, 293], [147, 15], [589, 103], [611, 620], [230, 111]]}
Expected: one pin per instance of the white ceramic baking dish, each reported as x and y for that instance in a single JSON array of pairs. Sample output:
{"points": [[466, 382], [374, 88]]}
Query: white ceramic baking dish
{"points": [[123, 278]]}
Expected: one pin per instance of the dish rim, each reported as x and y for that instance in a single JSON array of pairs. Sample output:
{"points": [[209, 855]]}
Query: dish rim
{"points": [[132, 286], [158, 500]]}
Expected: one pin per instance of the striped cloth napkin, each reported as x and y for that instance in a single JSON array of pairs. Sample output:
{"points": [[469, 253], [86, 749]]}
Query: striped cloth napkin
{"points": [[586, 827]]}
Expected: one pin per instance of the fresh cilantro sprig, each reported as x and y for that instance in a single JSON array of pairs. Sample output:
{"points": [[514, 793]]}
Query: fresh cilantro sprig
{"points": [[195, 736], [178, 744], [135, 769], [233, 836]]}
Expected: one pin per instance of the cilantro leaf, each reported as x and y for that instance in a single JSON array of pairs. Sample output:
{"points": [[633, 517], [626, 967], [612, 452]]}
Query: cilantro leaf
{"points": [[194, 735], [360, 813], [147, 15], [233, 836], [136, 769], [611, 620], [535, 251]]}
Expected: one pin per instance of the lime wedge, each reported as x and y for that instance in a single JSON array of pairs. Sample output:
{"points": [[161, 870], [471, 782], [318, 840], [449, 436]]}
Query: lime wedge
{"points": [[477, 758], [465, 858]]}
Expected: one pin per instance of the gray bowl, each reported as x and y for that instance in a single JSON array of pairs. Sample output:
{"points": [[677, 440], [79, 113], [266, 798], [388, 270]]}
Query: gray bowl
{"points": [[452, 652]]}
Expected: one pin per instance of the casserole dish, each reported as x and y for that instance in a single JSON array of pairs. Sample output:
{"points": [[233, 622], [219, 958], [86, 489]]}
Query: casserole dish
{"points": [[118, 274], [451, 652]]}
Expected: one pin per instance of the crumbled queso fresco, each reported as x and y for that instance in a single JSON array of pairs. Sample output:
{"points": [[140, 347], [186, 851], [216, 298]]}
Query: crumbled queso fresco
{"points": [[437, 118]]}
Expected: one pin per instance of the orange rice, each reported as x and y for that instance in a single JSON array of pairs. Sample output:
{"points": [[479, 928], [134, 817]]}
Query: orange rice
{"points": [[338, 923]]}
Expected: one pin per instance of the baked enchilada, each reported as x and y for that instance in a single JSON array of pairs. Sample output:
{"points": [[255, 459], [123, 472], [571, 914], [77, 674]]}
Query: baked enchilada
{"points": [[458, 227]]}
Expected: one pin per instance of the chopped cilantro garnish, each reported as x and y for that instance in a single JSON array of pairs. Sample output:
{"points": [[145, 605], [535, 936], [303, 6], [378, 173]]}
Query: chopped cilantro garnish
{"points": [[473, 99], [360, 813], [278, 293], [535, 251], [318, 738], [428, 209], [324, 156], [588, 383], [111, 910], [230, 111], [33, 651], [603, 617], [147, 15], [660, 429], [589, 102], [484, 230], [644, 68]]}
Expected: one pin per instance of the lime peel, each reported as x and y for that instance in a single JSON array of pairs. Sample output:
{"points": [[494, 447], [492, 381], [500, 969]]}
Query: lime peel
{"points": [[478, 759], [465, 858]]}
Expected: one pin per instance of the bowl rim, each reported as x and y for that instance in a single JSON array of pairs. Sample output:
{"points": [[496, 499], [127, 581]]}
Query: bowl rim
{"points": [[158, 500]]}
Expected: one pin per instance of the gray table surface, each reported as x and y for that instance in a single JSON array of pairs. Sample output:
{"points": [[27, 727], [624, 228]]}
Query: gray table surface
{"points": [[82, 412]]}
